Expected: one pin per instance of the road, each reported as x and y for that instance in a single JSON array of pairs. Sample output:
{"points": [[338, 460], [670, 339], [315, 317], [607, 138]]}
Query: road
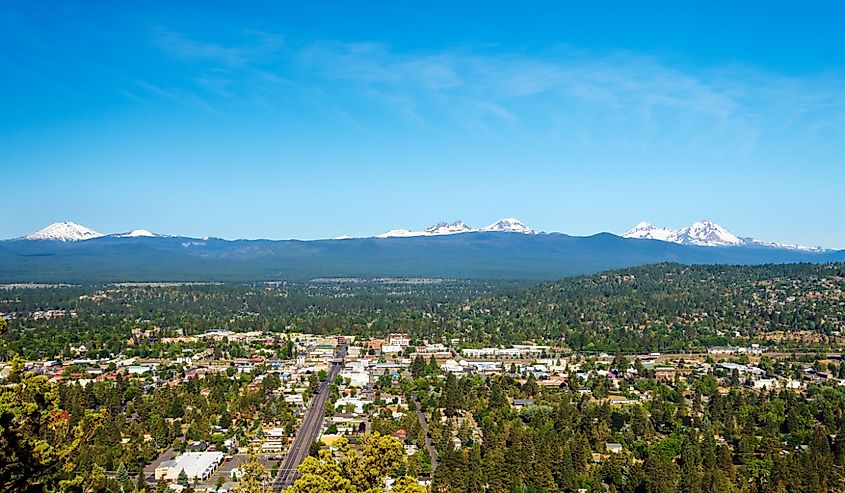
{"points": [[432, 452], [309, 429], [225, 470]]}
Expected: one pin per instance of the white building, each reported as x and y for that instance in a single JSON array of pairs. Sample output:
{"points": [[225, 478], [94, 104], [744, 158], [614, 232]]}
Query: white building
{"points": [[765, 383], [401, 340], [295, 399], [391, 349], [358, 376], [355, 402], [274, 439], [515, 352], [432, 348], [139, 369], [754, 349], [197, 466], [489, 352]]}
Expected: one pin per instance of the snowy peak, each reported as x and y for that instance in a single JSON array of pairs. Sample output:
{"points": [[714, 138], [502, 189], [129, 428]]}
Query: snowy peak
{"points": [[70, 231], [648, 231], [700, 233], [705, 233], [509, 225], [445, 228], [64, 231], [137, 233], [400, 233]]}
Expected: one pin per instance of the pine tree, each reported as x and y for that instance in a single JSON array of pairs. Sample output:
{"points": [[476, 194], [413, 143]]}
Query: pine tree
{"points": [[530, 388], [121, 475], [724, 459], [661, 473], [451, 395], [432, 366], [418, 367], [497, 395], [313, 384], [691, 466]]}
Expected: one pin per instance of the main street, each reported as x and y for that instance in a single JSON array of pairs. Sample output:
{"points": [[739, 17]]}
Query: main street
{"points": [[309, 429], [432, 452]]}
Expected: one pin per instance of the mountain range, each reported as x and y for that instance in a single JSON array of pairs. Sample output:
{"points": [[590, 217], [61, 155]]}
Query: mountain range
{"points": [[69, 252], [509, 225], [70, 231], [705, 233]]}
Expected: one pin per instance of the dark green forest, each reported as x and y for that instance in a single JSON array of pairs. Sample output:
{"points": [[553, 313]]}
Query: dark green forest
{"points": [[666, 307]]}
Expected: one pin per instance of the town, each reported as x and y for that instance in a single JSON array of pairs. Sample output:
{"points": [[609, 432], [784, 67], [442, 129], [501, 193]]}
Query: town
{"points": [[430, 385], [365, 385]]}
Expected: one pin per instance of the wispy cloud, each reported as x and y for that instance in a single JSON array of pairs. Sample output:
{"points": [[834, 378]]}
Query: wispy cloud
{"points": [[620, 88], [562, 91], [253, 46]]}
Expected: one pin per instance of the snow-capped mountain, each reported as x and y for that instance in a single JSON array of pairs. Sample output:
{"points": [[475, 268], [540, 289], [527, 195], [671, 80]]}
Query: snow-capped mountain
{"points": [[64, 231], [400, 233], [70, 231], [509, 225], [785, 246], [648, 231], [701, 233], [704, 233], [502, 250], [445, 228], [137, 233]]}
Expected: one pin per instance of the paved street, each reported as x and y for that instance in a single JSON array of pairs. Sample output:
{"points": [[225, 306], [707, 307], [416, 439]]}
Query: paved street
{"points": [[225, 470], [432, 452], [309, 429]]}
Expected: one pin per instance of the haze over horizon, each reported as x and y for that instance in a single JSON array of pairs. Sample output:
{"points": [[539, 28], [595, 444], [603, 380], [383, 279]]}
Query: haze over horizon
{"points": [[313, 122]]}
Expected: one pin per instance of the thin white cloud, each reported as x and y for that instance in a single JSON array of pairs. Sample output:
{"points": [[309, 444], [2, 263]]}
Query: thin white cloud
{"points": [[256, 45], [564, 91]]}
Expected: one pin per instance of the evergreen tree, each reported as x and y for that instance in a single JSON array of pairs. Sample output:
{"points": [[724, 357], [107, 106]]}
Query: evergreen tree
{"points": [[313, 384], [451, 395], [418, 367], [691, 468], [121, 475], [661, 474]]}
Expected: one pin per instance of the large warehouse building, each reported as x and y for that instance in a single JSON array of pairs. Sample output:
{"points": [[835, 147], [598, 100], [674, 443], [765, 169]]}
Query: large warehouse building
{"points": [[197, 466]]}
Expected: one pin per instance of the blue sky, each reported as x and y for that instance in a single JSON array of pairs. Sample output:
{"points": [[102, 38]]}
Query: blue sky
{"points": [[287, 120]]}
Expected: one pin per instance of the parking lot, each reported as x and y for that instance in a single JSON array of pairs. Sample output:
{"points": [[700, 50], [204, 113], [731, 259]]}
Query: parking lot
{"points": [[229, 465]]}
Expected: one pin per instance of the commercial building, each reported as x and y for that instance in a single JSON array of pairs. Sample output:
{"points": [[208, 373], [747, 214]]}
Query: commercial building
{"points": [[401, 340], [197, 466]]}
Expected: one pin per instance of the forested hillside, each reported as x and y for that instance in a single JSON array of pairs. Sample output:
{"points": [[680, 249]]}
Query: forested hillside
{"points": [[479, 255], [668, 306]]}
